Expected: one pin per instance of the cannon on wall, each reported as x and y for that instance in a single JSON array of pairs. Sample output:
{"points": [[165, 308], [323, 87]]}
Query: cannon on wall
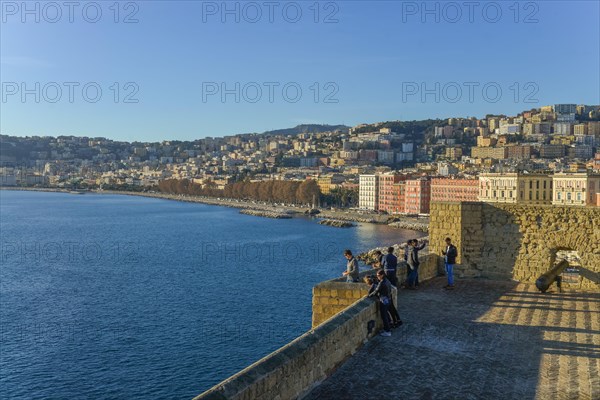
{"points": [[553, 275]]}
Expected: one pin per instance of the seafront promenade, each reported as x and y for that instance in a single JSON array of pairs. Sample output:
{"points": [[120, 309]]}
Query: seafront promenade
{"points": [[484, 340], [402, 222]]}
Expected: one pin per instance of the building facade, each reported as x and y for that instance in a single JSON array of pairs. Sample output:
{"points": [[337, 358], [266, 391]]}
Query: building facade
{"points": [[417, 196], [575, 189], [368, 192], [387, 198], [515, 188], [454, 189]]}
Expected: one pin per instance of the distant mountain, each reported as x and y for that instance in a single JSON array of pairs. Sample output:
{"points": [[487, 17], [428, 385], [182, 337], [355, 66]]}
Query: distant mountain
{"points": [[307, 128]]}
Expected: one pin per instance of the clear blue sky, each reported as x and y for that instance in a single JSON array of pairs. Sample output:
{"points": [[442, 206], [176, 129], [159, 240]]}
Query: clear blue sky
{"points": [[373, 50]]}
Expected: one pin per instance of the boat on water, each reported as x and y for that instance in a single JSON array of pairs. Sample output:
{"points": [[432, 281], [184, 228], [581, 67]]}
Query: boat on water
{"points": [[76, 191]]}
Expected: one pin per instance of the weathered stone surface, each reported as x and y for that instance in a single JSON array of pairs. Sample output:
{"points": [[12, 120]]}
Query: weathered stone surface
{"points": [[515, 241]]}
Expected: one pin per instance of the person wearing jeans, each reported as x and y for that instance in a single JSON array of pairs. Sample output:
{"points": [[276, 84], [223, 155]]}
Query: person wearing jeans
{"points": [[413, 265], [450, 259], [383, 291]]}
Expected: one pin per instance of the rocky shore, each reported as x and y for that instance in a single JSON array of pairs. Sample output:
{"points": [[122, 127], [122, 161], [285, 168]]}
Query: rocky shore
{"points": [[413, 226], [267, 214], [336, 223], [368, 257]]}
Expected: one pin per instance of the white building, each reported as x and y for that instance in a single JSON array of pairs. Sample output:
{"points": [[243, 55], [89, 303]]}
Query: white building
{"points": [[368, 189], [577, 189]]}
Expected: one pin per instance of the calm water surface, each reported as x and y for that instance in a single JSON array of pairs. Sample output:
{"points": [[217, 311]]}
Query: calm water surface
{"points": [[108, 296]]}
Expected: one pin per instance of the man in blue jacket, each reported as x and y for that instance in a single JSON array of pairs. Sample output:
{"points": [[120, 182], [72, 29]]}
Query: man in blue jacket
{"points": [[450, 259]]}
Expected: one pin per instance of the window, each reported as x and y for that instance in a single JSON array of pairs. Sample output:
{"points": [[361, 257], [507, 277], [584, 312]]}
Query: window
{"points": [[537, 184], [558, 195], [544, 184], [530, 195], [568, 195], [579, 196], [530, 184]]}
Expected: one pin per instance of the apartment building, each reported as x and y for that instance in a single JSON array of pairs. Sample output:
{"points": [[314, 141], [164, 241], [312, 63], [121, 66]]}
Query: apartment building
{"points": [[454, 189], [515, 188], [575, 189], [417, 196], [497, 153], [387, 197], [368, 192]]}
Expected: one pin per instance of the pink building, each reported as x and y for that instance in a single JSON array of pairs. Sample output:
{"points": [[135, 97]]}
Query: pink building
{"points": [[417, 196], [448, 189]]}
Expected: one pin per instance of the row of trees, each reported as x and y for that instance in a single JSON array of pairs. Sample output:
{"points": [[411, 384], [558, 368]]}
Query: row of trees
{"points": [[289, 192]]}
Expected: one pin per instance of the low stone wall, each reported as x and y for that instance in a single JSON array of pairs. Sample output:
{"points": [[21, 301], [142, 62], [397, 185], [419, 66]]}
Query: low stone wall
{"points": [[296, 368]]}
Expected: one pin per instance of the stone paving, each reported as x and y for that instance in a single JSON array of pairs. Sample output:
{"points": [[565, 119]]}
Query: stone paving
{"points": [[483, 340]]}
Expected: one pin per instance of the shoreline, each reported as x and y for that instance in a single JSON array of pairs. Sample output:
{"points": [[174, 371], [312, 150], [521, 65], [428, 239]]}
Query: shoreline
{"points": [[401, 222]]}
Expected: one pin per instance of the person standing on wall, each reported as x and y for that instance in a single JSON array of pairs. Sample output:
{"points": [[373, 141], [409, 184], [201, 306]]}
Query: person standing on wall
{"points": [[450, 259], [351, 272]]}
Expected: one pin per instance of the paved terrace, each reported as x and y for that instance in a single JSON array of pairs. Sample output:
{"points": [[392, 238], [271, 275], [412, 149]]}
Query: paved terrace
{"points": [[484, 340]]}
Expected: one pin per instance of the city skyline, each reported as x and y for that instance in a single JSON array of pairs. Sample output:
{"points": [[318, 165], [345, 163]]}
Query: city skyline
{"points": [[396, 67]]}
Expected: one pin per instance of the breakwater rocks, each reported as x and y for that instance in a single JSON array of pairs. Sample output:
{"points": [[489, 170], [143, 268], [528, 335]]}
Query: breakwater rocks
{"points": [[413, 226], [336, 223], [267, 214], [399, 249]]}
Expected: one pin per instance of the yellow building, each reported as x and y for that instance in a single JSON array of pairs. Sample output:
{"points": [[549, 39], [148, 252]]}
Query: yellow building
{"points": [[515, 188], [498, 153], [328, 182]]}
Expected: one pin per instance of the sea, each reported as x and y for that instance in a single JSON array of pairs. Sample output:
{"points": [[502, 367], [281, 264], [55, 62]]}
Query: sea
{"points": [[122, 297]]}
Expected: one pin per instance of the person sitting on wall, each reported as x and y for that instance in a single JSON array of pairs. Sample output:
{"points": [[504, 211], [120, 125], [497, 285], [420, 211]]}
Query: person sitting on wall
{"points": [[382, 291], [351, 272], [378, 259]]}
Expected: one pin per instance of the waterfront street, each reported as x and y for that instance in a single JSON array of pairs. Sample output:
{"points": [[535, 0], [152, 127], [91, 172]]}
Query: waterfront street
{"points": [[484, 340]]}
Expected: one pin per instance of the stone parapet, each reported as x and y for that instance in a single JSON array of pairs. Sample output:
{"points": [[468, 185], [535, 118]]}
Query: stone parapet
{"points": [[508, 241]]}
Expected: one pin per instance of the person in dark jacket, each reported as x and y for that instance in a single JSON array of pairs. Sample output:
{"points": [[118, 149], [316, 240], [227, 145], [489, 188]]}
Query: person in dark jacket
{"points": [[389, 263], [450, 259], [416, 248], [383, 292]]}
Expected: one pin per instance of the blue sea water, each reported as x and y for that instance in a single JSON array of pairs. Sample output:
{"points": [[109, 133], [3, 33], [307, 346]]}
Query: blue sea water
{"points": [[121, 297]]}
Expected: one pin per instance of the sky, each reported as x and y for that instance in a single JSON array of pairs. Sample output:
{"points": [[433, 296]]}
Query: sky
{"points": [[184, 70]]}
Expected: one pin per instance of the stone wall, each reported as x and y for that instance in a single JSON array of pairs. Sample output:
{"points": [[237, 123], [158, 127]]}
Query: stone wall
{"points": [[517, 241], [296, 368]]}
